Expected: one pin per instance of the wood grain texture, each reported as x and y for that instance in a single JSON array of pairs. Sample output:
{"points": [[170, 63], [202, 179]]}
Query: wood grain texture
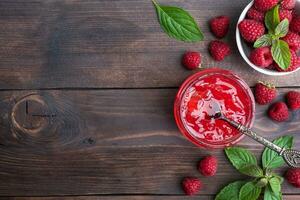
{"points": [[106, 44], [85, 142], [202, 197]]}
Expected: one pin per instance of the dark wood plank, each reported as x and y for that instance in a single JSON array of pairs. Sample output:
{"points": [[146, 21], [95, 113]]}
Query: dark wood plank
{"points": [[204, 197], [83, 142], [137, 197], [106, 44]]}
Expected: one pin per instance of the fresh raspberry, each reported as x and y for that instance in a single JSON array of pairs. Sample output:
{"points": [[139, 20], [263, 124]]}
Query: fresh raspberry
{"points": [[293, 39], [251, 29], [293, 100], [295, 63], [271, 67], [264, 5], [191, 60], [191, 185], [255, 14], [219, 26], [293, 177], [219, 50], [294, 13], [261, 57], [285, 14], [288, 4], [264, 93], [279, 112], [295, 24], [208, 166]]}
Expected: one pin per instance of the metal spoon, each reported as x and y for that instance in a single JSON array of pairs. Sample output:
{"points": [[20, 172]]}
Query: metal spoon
{"points": [[291, 157]]}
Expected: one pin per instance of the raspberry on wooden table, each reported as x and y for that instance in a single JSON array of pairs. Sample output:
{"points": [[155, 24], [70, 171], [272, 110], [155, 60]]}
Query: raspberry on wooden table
{"points": [[208, 166], [293, 100], [191, 185], [219, 26], [279, 112], [264, 93], [219, 50], [293, 177], [191, 60]]}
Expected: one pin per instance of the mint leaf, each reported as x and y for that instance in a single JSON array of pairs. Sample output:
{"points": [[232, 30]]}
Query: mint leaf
{"points": [[280, 178], [240, 157], [249, 191], [281, 54], [282, 29], [270, 195], [265, 40], [230, 191], [275, 185], [252, 170], [271, 159], [272, 19], [262, 182], [178, 23]]}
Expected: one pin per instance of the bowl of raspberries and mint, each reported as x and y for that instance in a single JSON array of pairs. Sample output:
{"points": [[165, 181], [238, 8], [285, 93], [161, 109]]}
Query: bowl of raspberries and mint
{"points": [[268, 36]]}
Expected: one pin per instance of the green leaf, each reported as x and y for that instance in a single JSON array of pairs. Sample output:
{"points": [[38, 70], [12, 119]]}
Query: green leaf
{"points": [[252, 170], [178, 23], [265, 40], [270, 195], [240, 157], [271, 159], [230, 191], [262, 182], [272, 19], [249, 191], [281, 54], [275, 185], [282, 29], [280, 178]]}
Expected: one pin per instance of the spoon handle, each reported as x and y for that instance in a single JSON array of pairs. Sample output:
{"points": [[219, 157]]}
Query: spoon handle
{"points": [[291, 157], [247, 131]]}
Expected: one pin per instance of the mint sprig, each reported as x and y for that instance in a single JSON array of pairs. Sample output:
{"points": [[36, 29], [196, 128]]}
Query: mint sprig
{"points": [[240, 157], [272, 19], [282, 28], [244, 161], [249, 191], [178, 23], [230, 191], [263, 179], [270, 195], [271, 159], [275, 184], [276, 30], [281, 54], [263, 41]]}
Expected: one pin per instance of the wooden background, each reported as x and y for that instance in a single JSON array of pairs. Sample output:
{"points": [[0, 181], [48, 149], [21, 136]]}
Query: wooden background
{"points": [[86, 97]]}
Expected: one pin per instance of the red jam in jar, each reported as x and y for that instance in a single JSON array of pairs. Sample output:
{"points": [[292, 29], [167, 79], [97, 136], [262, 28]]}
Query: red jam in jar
{"points": [[199, 95]]}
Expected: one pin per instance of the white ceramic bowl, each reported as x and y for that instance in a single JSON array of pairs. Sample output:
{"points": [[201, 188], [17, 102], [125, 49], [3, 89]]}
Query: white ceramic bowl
{"points": [[245, 50]]}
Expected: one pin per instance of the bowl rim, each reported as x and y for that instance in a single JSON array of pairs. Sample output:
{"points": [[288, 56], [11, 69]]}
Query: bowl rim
{"points": [[243, 54], [177, 104]]}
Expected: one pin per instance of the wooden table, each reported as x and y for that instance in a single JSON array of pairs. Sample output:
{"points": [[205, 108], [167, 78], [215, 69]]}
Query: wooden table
{"points": [[86, 97]]}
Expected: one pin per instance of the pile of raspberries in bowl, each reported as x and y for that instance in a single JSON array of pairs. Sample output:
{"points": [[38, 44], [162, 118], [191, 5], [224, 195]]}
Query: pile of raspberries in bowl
{"points": [[268, 36]]}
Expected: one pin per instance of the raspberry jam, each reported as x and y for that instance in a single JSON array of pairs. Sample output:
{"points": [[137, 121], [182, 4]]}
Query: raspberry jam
{"points": [[199, 95]]}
